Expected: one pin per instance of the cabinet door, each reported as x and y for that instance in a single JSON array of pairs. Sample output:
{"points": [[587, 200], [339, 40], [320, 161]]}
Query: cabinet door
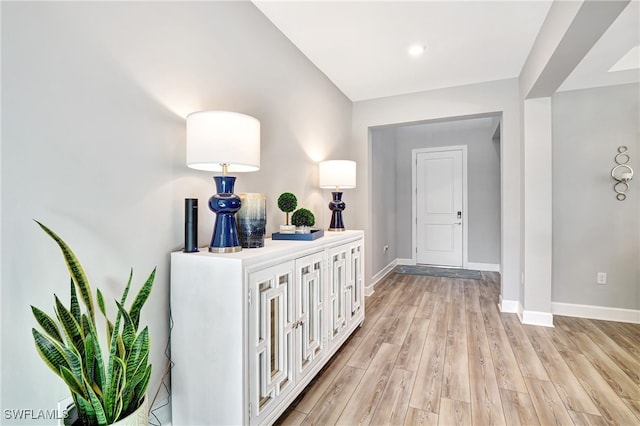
{"points": [[355, 286], [271, 315], [310, 311], [337, 298]]}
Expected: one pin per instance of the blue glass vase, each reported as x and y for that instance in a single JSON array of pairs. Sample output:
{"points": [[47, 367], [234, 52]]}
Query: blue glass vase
{"points": [[252, 220]]}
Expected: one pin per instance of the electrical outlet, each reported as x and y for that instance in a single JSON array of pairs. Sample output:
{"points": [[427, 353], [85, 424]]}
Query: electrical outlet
{"points": [[601, 278]]}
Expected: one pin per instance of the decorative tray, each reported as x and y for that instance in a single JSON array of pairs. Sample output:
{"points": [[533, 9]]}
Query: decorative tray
{"points": [[313, 235]]}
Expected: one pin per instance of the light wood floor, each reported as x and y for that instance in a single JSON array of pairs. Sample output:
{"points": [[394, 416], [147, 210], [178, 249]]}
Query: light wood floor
{"points": [[437, 351]]}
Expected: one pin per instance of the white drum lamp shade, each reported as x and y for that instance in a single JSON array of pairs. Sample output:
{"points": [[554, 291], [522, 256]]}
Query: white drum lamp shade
{"points": [[215, 138], [340, 174], [337, 175]]}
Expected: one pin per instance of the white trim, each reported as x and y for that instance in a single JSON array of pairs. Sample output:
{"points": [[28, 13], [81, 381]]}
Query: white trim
{"points": [[489, 267], [508, 306], [596, 312], [368, 290], [405, 261], [544, 319], [414, 213]]}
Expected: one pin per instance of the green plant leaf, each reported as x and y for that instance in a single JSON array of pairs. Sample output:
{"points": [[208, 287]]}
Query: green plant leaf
{"points": [[47, 324], [140, 299], [125, 293], [86, 411], [72, 382], [74, 307], [98, 373], [70, 326], [49, 351], [101, 303], [128, 330], [139, 350], [100, 415], [75, 269]]}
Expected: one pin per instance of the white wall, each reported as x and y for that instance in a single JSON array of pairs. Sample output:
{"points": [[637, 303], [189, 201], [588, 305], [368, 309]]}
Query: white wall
{"points": [[492, 97], [592, 231], [93, 105]]}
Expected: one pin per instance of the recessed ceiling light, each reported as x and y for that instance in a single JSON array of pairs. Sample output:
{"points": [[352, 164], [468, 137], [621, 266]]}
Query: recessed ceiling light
{"points": [[417, 49]]}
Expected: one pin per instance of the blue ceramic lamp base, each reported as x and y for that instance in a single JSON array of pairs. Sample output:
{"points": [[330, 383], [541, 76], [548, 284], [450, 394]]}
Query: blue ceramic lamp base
{"points": [[225, 204], [337, 206]]}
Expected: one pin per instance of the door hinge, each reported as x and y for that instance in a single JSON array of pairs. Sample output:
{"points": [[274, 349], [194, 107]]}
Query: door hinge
{"points": [[249, 296], [250, 410]]}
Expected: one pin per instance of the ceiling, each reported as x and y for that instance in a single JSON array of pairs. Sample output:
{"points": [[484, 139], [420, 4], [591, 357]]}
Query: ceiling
{"points": [[362, 45]]}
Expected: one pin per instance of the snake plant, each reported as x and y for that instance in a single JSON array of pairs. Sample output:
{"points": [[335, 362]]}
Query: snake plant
{"points": [[105, 386]]}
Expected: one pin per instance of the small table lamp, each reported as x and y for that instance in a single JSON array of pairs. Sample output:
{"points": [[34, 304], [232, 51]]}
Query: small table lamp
{"points": [[221, 141], [337, 174]]}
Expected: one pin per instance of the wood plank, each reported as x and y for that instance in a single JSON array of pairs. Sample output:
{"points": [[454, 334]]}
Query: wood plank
{"points": [[505, 363], [417, 417], [518, 408], [395, 399], [323, 381], [471, 296], [426, 305], [400, 324], [609, 370], [428, 384], [568, 386], [547, 403], [609, 404], [411, 351], [371, 343], [454, 412], [629, 363], [486, 408], [455, 380], [528, 361], [580, 419], [334, 400], [619, 335], [292, 418], [438, 325], [367, 394], [634, 406]]}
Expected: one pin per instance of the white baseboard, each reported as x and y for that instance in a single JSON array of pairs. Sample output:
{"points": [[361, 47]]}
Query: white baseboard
{"points": [[596, 312], [508, 306], [403, 261], [544, 319], [369, 290], [489, 267]]}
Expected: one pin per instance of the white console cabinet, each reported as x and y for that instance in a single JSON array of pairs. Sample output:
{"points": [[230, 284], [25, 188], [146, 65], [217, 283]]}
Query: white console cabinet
{"points": [[251, 329]]}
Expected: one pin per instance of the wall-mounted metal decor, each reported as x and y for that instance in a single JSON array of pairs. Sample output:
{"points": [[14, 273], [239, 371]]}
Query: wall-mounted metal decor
{"points": [[622, 173]]}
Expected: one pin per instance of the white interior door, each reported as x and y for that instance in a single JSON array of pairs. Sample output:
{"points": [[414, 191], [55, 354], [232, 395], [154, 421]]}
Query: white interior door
{"points": [[439, 201]]}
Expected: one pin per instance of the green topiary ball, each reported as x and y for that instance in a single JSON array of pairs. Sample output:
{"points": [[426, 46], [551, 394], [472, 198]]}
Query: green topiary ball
{"points": [[287, 202], [303, 217]]}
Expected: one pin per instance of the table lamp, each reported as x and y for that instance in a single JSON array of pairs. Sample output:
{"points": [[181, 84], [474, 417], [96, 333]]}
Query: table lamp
{"points": [[337, 174], [222, 141]]}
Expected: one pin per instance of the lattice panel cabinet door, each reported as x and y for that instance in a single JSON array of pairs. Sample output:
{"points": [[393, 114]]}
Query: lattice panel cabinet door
{"points": [[337, 297], [310, 312], [271, 336], [355, 284]]}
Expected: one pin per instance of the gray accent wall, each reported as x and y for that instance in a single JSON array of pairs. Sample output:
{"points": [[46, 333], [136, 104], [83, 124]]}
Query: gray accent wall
{"points": [[592, 231], [483, 184], [94, 99], [383, 198], [483, 163]]}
